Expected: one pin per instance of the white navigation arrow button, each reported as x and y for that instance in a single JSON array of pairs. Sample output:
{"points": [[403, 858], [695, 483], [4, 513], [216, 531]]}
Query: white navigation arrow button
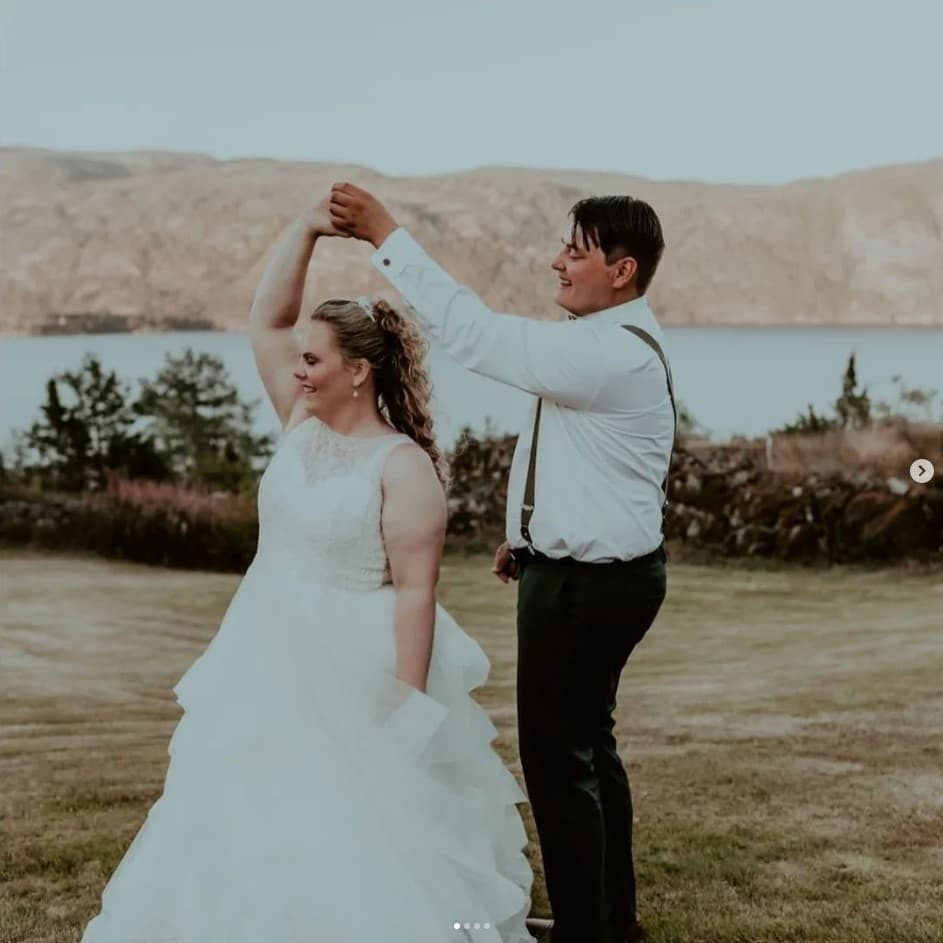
{"points": [[922, 471]]}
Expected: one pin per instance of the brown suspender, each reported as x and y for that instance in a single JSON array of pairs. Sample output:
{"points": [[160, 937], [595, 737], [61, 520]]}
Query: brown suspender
{"points": [[648, 339], [527, 508]]}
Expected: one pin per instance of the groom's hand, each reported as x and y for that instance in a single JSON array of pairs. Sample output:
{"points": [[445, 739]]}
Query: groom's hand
{"points": [[505, 566], [318, 219], [360, 214]]}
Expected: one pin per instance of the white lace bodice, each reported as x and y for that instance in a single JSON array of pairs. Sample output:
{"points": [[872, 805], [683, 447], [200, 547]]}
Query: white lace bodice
{"points": [[319, 506]]}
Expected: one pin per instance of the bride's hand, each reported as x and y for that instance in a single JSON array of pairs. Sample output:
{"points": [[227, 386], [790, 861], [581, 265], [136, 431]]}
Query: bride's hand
{"points": [[318, 220]]}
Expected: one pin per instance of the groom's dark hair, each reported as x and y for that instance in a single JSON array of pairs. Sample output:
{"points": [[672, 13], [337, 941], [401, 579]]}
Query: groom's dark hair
{"points": [[621, 226]]}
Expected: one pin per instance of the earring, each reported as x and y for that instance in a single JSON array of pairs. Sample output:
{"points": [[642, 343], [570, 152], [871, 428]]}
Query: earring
{"points": [[356, 394]]}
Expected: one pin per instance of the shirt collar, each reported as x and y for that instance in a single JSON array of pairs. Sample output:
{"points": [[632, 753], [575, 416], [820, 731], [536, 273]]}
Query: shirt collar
{"points": [[631, 312]]}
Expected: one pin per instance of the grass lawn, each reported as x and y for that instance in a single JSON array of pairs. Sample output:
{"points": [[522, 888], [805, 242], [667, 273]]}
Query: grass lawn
{"points": [[783, 732]]}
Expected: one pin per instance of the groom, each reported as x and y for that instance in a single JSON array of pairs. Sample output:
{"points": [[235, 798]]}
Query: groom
{"points": [[584, 520]]}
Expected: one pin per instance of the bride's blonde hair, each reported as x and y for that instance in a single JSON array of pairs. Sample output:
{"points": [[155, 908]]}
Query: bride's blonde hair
{"points": [[395, 350]]}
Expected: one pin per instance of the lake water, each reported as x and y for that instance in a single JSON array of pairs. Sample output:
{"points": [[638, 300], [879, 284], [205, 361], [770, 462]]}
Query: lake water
{"points": [[734, 381]]}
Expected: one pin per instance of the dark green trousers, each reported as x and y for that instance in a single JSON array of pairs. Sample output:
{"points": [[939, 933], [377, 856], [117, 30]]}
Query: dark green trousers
{"points": [[577, 625]]}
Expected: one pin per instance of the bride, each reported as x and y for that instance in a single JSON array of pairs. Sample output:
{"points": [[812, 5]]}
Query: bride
{"points": [[331, 779]]}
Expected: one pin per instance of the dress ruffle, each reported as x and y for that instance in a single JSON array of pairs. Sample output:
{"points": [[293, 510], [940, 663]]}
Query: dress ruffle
{"points": [[311, 796]]}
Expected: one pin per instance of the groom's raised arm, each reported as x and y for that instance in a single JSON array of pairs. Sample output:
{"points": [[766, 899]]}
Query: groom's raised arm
{"points": [[554, 359]]}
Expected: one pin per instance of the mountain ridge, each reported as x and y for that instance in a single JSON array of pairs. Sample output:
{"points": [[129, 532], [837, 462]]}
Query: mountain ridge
{"points": [[157, 240]]}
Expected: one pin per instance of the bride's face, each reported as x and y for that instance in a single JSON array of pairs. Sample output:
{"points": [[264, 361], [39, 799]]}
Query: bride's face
{"points": [[325, 378]]}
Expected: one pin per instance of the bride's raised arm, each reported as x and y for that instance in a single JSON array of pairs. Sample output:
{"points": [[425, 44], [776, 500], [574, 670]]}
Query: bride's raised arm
{"points": [[277, 304]]}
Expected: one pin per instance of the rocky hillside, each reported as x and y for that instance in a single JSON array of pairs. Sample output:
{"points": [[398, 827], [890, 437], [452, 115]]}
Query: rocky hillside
{"points": [[138, 241]]}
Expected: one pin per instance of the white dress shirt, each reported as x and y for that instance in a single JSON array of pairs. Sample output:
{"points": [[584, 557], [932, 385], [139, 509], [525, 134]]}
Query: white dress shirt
{"points": [[606, 425]]}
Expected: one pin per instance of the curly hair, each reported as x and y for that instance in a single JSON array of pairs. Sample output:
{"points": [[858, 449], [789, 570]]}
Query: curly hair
{"points": [[395, 350]]}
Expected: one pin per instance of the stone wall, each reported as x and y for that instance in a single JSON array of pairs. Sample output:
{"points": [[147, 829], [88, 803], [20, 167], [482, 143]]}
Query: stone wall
{"points": [[724, 500]]}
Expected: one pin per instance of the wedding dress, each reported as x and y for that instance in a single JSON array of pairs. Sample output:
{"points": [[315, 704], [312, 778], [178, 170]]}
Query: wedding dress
{"points": [[312, 797]]}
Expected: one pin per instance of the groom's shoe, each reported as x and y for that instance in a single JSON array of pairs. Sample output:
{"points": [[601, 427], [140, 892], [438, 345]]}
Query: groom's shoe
{"points": [[637, 934], [539, 926]]}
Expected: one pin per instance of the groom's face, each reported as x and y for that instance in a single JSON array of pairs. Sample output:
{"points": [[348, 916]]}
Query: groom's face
{"points": [[584, 281]]}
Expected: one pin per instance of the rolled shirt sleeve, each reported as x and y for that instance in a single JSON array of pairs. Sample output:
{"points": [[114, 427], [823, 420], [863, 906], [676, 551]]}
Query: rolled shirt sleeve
{"points": [[552, 359]]}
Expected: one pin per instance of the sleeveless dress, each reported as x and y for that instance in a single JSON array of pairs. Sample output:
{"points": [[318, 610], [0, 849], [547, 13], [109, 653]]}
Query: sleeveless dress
{"points": [[311, 796]]}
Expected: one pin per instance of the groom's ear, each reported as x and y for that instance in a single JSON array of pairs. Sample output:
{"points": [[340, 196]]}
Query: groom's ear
{"points": [[623, 272]]}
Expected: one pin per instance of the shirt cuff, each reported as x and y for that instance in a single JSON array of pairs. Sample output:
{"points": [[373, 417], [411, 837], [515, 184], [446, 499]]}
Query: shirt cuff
{"points": [[398, 251]]}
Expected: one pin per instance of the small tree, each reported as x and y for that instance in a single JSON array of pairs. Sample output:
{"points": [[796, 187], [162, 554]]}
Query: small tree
{"points": [[853, 407], [913, 403], [198, 422], [86, 431], [17, 464]]}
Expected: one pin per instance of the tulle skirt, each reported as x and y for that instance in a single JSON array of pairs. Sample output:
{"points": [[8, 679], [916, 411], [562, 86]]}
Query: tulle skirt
{"points": [[311, 796]]}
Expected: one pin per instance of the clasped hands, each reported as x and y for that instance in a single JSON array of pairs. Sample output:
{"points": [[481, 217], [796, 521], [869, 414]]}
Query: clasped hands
{"points": [[351, 211]]}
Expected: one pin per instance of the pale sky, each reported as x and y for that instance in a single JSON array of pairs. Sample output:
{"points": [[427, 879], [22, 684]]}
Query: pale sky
{"points": [[732, 90]]}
